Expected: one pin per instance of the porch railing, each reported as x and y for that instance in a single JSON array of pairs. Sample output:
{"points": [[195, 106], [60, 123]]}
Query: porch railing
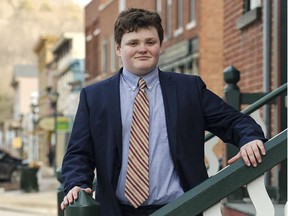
{"points": [[207, 196], [259, 103]]}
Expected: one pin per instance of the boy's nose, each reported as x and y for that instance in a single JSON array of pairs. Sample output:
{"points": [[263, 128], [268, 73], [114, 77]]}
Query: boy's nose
{"points": [[142, 48]]}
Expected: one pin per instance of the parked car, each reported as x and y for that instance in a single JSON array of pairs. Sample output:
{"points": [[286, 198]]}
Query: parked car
{"points": [[10, 167]]}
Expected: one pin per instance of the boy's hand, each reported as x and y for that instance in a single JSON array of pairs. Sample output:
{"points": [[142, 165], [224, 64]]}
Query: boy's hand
{"points": [[73, 195], [251, 153]]}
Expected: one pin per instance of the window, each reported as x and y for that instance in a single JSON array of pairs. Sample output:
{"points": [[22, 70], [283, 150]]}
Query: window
{"points": [[251, 4], [251, 13], [159, 6], [188, 65], [179, 29], [113, 55], [168, 18], [104, 56], [192, 15], [192, 65], [122, 5], [179, 14], [94, 59], [182, 57]]}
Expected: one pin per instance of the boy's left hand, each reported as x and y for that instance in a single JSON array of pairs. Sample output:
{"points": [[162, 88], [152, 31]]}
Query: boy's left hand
{"points": [[251, 153]]}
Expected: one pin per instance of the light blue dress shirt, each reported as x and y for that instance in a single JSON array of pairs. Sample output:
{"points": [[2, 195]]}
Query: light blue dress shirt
{"points": [[164, 183]]}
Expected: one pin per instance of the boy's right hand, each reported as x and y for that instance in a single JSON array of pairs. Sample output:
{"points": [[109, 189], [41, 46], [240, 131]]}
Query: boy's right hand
{"points": [[73, 195]]}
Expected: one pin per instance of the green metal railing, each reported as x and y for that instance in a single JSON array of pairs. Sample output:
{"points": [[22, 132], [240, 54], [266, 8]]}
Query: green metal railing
{"points": [[226, 181], [258, 104], [234, 176]]}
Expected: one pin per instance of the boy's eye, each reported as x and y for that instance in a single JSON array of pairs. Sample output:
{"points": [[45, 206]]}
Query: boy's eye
{"points": [[151, 42], [132, 43]]}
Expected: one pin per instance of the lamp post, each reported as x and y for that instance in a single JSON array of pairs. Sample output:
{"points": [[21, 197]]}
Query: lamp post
{"points": [[35, 118], [53, 100]]}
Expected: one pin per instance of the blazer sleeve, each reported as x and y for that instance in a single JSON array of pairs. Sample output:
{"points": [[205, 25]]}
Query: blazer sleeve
{"points": [[226, 122], [78, 163]]}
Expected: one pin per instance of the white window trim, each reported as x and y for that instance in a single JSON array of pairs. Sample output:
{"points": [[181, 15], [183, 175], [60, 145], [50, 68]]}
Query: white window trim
{"points": [[96, 32], [254, 4], [89, 37], [102, 6], [122, 5], [159, 6], [178, 32], [191, 25]]}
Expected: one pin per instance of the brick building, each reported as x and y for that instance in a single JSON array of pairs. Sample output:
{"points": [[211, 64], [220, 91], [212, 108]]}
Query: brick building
{"points": [[255, 42], [192, 43], [203, 39], [43, 50]]}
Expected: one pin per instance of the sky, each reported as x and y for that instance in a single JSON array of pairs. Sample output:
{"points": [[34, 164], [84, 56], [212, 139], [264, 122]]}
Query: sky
{"points": [[82, 2]]}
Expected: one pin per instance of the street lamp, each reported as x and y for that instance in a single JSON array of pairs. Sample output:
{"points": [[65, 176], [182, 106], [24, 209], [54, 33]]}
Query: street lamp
{"points": [[53, 100], [35, 119]]}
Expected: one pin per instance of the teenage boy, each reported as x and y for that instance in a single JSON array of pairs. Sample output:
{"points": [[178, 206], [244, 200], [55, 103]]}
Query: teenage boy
{"points": [[175, 110]]}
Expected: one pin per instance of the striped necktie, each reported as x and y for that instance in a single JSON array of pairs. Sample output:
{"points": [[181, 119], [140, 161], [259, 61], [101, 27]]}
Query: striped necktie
{"points": [[137, 176]]}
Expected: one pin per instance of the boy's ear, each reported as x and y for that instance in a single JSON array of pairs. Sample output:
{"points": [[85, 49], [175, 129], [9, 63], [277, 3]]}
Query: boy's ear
{"points": [[118, 49], [161, 49]]}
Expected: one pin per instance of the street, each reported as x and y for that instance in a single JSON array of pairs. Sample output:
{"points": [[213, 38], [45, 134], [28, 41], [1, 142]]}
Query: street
{"points": [[10, 212], [15, 202]]}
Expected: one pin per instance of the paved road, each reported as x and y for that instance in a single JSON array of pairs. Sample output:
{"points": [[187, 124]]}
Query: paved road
{"points": [[9, 213], [17, 213], [14, 202]]}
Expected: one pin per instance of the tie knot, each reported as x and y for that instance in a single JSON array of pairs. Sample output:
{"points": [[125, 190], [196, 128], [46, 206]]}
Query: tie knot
{"points": [[142, 84]]}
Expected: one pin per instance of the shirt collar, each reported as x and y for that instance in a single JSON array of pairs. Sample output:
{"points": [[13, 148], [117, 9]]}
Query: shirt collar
{"points": [[132, 79]]}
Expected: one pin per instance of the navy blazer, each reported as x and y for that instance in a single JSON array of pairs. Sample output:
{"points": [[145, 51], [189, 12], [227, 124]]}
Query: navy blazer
{"points": [[190, 110]]}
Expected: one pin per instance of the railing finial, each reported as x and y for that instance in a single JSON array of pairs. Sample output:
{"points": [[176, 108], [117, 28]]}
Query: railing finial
{"points": [[231, 75], [232, 92]]}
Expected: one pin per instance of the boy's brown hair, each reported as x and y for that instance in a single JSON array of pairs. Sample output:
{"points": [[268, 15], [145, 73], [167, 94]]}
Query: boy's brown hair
{"points": [[134, 18]]}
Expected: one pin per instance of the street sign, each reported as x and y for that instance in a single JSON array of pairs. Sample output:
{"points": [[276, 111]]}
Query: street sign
{"points": [[48, 123]]}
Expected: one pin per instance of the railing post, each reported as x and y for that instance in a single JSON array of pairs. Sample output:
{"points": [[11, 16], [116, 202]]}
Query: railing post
{"points": [[85, 205], [232, 92], [232, 97], [235, 98], [60, 193], [218, 187]]}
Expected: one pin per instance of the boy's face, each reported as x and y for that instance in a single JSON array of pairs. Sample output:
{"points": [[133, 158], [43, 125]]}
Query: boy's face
{"points": [[140, 50]]}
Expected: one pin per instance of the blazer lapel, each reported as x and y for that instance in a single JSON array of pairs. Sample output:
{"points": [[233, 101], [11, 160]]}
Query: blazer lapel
{"points": [[168, 87], [113, 91]]}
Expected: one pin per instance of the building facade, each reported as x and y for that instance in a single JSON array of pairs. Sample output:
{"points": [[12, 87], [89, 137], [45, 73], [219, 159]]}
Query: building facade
{"points": [[44, 52], [255, 36], [255, 43], [192, 43], [204, 38], [69, 54], [25, 86]]}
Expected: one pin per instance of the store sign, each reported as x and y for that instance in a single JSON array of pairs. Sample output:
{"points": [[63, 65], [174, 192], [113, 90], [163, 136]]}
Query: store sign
{"points": [[63, 124], [17, 142]]}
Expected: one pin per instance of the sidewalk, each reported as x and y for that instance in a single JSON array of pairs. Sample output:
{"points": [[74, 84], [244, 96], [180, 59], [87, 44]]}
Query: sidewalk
{"points": [[41, 203]]}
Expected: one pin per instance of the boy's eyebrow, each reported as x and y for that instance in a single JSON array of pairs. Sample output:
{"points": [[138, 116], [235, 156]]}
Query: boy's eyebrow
{"points": [[132, 41], [152, 38], [146, 39]]}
